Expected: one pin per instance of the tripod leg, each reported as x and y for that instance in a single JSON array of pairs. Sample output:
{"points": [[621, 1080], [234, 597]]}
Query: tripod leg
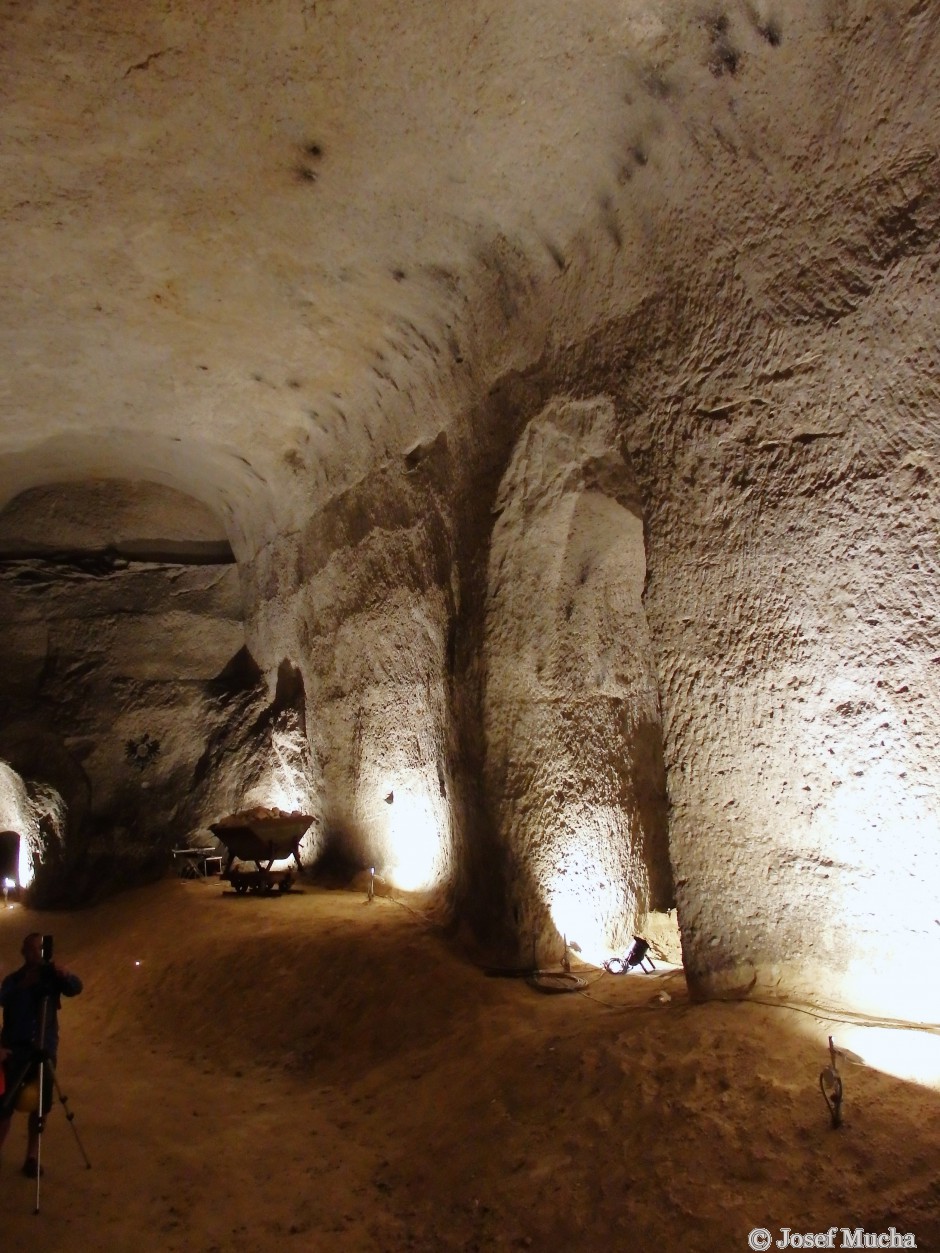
{"points": [[43, 1080], [40, 1121], [69, 1116], [25, 1072]]}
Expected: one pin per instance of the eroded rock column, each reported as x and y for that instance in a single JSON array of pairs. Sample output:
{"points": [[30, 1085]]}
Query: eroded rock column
{"points": [[574, 768], [363, 599]]}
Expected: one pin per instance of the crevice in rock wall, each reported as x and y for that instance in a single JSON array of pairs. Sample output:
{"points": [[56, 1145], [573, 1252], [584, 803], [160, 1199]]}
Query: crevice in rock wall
{"points": [[36, 561], [482, 446]]}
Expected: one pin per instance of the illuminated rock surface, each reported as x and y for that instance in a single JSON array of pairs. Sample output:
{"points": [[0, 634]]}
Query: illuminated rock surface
{"points": [[562, 380]]}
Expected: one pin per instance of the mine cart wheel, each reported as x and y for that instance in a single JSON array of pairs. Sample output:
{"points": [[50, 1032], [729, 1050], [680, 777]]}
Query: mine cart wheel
{"points": [[239, 887], [285, 884]]}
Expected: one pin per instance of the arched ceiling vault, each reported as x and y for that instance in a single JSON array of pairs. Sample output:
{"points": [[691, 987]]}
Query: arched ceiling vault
{"points": [[253, 248]]}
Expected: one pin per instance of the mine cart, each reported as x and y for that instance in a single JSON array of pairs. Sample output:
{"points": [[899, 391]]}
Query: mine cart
{"points": [[257, 842]]}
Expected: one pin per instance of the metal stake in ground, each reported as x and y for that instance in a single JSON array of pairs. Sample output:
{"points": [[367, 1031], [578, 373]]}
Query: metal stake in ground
{"points": [[830, 1084]]}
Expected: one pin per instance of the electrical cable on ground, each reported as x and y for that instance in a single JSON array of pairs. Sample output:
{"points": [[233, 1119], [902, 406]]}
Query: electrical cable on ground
{"points": [[661, 975], [566, 981], [824, 1013]]}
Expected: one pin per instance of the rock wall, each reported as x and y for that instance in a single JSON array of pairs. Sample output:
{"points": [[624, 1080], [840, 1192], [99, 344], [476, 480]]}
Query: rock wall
{"points": [[363, 601], [793, 602]]}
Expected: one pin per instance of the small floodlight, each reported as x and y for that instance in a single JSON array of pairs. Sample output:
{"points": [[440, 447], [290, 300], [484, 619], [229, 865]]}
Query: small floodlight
{"points": [[636, 956], [7, 884]]}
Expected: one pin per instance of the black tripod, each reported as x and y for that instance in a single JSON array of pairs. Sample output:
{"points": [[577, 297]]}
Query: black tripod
{"points": [[37, 1064]]}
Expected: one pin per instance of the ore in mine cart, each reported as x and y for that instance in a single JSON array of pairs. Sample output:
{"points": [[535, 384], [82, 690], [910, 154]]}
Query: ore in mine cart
{"points": [[255, 840]]}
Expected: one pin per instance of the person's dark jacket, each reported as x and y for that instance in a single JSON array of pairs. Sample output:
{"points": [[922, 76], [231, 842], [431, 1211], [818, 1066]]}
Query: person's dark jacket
{"points": [[22, 995]]}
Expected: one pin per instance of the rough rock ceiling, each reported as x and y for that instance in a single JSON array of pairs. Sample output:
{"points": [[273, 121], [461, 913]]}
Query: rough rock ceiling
{"points": [[248, 247], [235, 235]]}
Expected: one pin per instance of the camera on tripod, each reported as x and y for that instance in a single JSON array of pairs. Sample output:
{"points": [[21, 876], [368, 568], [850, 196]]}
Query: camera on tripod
{"points": [[47, 974], [30, 1064]]}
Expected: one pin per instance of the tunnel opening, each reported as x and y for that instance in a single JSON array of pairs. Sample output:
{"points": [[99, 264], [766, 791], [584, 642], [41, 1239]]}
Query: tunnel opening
{"points": [[120, 604], [9, 861]]}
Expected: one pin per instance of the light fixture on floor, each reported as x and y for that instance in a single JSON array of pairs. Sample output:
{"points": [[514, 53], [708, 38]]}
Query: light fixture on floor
{"points": [[636, 956]]}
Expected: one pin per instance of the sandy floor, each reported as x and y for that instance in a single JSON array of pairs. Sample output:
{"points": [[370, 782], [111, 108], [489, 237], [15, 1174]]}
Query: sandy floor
{"points": [[314, 1072]]}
